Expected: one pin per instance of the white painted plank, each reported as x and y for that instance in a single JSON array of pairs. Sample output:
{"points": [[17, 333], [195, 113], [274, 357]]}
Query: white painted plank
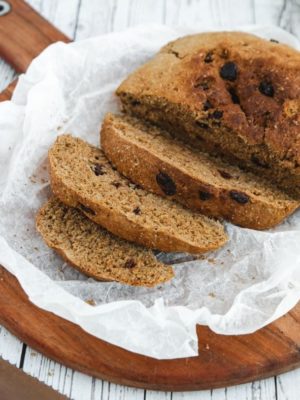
{"points": [[264, 389], [284, 13], [10, 347], [110, 391], [48, 371], [155, 395], [143, 12], [198, 395], [289, 17], [268, 12], [209, 12], [96, 18], [62, 14], [288, 386], [189, 13], [232, 12], [97, 389], [119, 19], [259, 390], [7, 74], [295, 18], [82, 386], [73, 384]]}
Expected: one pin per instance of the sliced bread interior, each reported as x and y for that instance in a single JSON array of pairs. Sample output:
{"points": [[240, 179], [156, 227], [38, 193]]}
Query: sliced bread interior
{"points": [[94, 251], [155, 160], [82, 177]]}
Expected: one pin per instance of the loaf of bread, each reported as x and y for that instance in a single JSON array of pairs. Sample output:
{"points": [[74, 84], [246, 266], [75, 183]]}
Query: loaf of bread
{"points": [[228, 93], [94, 251], [151, 158], [82, 177]]}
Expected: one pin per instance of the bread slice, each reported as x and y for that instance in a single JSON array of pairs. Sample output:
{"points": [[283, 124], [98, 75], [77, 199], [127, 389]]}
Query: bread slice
{"points": [[151, 158], [82, 177], [227, 93], [94, 251]]}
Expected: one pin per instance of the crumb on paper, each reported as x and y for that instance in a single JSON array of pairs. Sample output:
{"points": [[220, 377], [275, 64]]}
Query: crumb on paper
{"points": [[90, 302], [35, 179], [211, 260], [211, 294]]}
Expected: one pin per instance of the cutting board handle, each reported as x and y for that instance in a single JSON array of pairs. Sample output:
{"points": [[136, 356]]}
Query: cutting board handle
{"points": [[24, 34]]}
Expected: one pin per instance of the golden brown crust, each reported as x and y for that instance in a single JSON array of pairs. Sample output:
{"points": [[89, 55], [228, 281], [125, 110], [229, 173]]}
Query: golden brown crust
{"points": [[125, 225], [234, 93], [142, 164]]}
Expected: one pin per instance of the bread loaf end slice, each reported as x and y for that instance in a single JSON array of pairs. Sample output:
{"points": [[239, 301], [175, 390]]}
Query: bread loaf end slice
{"points": [[94, 251]]}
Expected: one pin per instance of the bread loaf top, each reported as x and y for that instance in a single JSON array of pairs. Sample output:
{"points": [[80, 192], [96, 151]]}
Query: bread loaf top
{"points": [[226, 82]]}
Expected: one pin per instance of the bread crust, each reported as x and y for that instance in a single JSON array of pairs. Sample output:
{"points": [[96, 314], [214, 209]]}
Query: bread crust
{"points": [[252, 87], [140, 164], [122, 225]]}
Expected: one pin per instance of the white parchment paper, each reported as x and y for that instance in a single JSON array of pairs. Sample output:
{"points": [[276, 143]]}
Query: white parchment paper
{"points": [[252, 281]]}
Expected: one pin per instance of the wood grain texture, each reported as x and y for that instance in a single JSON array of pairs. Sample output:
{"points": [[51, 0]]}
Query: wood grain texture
{"points": [[121, 14], [24, 34], [222, 360]]}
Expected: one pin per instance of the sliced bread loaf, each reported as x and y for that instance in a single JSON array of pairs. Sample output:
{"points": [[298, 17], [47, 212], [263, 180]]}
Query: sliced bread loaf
{"points": [[82, 177], [94, 251], [228, 93], [153, 159]]}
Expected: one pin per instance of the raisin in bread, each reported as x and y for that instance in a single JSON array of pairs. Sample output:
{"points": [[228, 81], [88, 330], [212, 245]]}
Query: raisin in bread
{"points": [[228, 93], [82, 177], [151, 158], [94, 251]]}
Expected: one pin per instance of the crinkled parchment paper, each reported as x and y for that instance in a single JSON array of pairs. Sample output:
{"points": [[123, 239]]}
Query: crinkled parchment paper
{"points": [[244, 286]]}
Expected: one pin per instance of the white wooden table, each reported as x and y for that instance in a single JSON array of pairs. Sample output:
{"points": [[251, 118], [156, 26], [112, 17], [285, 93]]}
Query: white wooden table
{"points": [[80, 19]]}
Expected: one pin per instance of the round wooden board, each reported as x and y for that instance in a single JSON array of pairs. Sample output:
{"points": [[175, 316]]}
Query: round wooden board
{"points": [[222, 360]]}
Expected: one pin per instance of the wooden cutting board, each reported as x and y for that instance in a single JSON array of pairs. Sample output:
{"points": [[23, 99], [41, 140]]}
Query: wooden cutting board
{"points": [[222, 360]]}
